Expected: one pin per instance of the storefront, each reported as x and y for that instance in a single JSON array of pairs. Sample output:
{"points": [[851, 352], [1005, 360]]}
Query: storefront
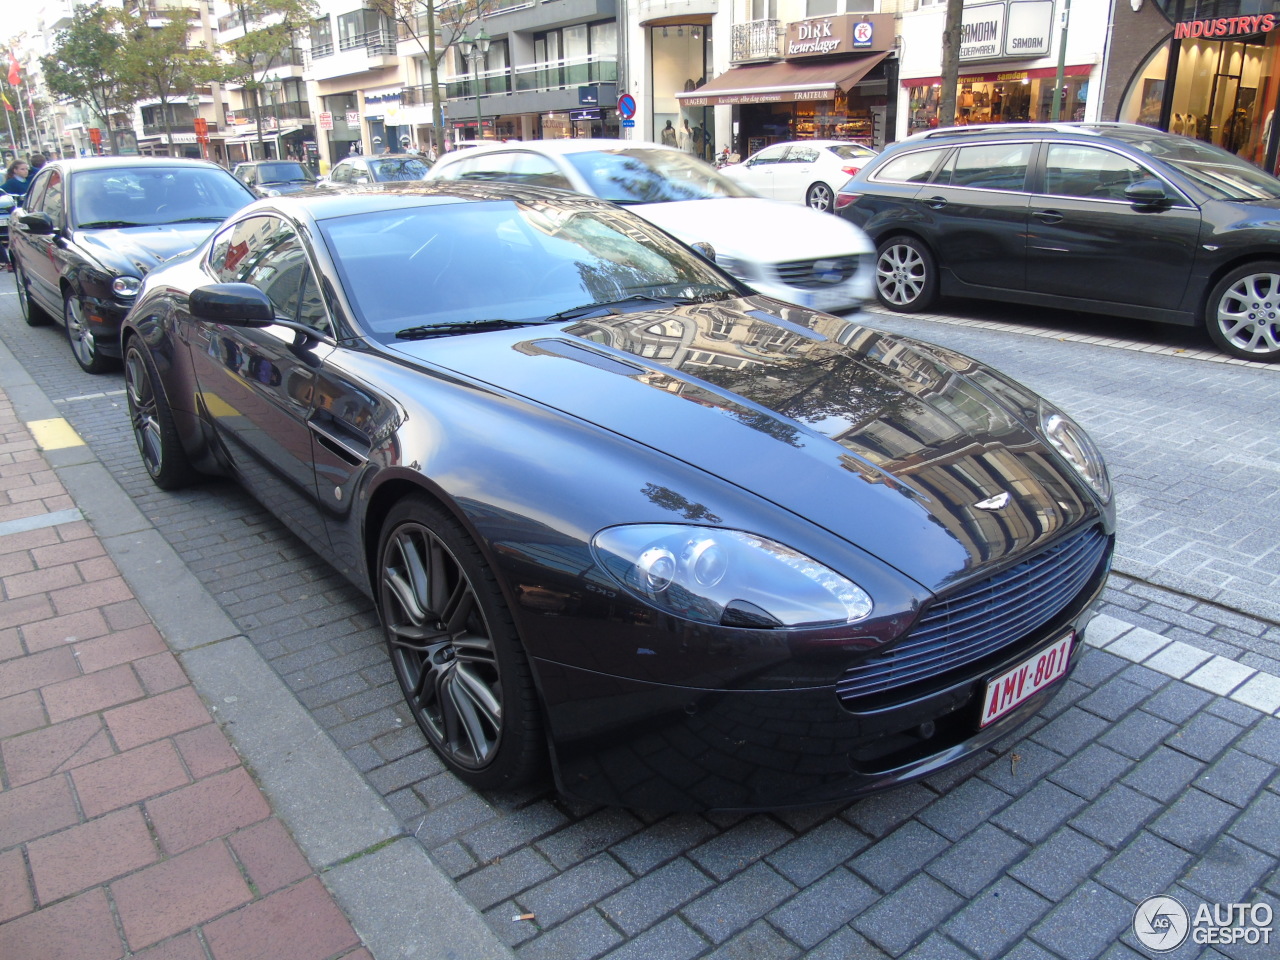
{"points": [[1002, 96], [1216, 79], [680, 53], [833, 84]]}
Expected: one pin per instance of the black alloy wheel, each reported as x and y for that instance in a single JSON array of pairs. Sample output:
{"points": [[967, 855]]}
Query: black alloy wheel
{"points": [[81, 337], [153, 427], [820, 197], [455, 650], [32, 314], [1243, 312], [906, 277]]}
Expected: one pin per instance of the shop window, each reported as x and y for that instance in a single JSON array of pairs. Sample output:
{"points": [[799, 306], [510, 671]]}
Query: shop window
{"points": [[1074, 171], [997, 166], [821, 8], [914, 167]]}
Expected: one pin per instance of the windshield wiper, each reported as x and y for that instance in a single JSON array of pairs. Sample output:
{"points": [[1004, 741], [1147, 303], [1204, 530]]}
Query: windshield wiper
{"points": [[610, 306], [198, 220], [467, 326], [109, 223]]}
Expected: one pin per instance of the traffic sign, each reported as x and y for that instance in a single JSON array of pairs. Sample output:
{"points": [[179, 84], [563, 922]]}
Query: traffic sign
{"points": [[626, 106], [628, 123]]}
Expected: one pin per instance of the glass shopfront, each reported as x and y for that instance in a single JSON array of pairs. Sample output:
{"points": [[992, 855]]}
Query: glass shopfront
{"points": [[1010, 96], [680, 62]]}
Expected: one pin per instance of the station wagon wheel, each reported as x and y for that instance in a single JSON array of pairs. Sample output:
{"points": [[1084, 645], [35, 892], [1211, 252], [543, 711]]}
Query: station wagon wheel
{"points": [[153, 427], [80, 334], [1243, 312], [819, 196], [31, 313], [906, 278], [454, 648]]}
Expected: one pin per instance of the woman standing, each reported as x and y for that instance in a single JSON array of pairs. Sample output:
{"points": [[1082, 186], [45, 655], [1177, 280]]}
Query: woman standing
{"points": [[17, 179]]}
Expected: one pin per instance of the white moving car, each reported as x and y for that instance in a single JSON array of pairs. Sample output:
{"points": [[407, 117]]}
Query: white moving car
{"points": [[795, 254], [801, 171]]}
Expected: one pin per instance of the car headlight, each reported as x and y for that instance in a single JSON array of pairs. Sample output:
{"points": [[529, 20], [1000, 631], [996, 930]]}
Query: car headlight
{"points": [[728, 577], [126, 286], [1070, 440]]}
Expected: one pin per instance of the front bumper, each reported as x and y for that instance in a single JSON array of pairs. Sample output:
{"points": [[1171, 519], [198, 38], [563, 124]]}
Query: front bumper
{"points": [[646, 745]]}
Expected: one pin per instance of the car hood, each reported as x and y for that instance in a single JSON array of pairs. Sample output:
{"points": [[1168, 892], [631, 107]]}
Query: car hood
{"points": [[141, 249], [887, 442], [756, 229]]}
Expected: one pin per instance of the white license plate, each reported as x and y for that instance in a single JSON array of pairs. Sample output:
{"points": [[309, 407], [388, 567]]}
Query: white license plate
{"points": [[1026, 679], [826, 299]]}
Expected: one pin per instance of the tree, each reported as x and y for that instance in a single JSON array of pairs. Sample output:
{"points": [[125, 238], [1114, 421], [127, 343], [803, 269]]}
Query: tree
{"points": [[270, 27], [416, 17], [86, 65], [158, 63], [950, 62]]}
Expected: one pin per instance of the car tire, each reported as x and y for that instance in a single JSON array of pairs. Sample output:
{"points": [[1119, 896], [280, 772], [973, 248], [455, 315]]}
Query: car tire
{"points": [[819, 196], [906, 276], [83, 346], [1242, 314], [33, 314], [455, 650], [152, 420]]}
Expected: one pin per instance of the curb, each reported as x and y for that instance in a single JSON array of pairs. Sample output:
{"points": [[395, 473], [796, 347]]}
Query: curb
{"points": [[383, 880]]}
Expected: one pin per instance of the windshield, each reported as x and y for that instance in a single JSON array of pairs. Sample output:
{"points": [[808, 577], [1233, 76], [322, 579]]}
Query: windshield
{"points": [[453, 263], [1222, 175], [410, 168], [149, 195], [650, 175], [283, 172]]}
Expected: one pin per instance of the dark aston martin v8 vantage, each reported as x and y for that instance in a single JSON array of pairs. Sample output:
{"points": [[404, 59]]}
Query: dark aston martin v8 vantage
{"points": [[691, 546]]}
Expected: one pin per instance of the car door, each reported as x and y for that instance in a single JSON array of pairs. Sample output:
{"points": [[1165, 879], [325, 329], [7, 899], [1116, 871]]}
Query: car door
{"points": [[43, 255], [259, 384], [758, 171], [797, 171], [978, 205], [1084, 239]]}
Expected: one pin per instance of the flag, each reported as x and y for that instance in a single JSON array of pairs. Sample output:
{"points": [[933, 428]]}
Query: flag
{"points": [[15, 70], [7, 105]]}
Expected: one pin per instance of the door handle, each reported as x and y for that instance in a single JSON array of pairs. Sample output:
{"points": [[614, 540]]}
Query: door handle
{"points": [[937, 203], [1048, 216]]}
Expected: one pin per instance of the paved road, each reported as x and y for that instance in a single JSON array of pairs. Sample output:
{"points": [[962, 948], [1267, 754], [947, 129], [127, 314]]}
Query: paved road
{"points": [[1151, 772]]}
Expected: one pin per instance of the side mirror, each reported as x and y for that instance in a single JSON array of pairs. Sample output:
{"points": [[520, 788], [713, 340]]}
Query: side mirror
{"points": [[235, 304], [1146, 193], [705, 249], [41, 224]]}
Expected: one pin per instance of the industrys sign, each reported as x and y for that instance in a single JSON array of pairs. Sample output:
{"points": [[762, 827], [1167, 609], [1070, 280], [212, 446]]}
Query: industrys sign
{"points": [[1222, 28]]}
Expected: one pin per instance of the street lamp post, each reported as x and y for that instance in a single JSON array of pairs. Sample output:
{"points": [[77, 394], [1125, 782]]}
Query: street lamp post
{"points": [[474, 51]]}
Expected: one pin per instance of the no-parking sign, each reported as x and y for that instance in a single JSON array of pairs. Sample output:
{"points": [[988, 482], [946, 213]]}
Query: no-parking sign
{"points": [[626, 106]]}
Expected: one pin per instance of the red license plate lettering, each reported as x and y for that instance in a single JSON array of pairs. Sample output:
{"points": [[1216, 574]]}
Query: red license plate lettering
{"points": [[1026, 679]]}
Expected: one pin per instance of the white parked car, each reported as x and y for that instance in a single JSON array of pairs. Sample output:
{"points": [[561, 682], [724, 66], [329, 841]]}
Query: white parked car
{"points": [[778, 249], [801, 171]]}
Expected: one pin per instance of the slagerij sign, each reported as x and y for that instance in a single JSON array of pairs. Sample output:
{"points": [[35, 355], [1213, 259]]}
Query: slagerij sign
{"points": [[1006, 29]]}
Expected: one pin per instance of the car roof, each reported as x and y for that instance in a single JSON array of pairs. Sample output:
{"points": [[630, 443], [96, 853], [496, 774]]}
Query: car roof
{"points": [[565, 146], [1120, 131], [75, 164], [332, 201]]}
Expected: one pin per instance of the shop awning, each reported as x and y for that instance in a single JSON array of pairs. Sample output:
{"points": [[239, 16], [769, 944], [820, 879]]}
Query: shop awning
{"points": [[266, 135], [781, 82]]}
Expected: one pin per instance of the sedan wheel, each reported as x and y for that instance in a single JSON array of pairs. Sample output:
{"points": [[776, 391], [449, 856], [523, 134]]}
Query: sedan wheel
{"points": [[31, 313], [152, 420], [906, 279], [819, 196], [1243, 313], [83, 344], [455, 650]]}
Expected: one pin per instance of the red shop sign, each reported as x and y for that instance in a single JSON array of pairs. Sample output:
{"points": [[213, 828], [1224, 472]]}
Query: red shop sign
{"points": [[1222, 28]]}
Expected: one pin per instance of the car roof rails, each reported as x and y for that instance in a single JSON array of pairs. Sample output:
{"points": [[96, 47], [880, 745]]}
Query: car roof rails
{"points": [[1069, 126]]}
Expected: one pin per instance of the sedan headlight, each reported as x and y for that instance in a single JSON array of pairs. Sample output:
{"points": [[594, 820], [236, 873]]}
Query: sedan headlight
{"points": [[1070, 440], [727, 577], [126, 286]]}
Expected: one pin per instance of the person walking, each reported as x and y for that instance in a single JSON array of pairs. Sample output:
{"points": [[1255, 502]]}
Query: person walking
{"points": [[17, 179]]}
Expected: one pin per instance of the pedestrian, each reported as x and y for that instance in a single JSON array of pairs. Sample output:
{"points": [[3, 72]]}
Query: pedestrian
{"points": [[37, 161], [17, 179]]}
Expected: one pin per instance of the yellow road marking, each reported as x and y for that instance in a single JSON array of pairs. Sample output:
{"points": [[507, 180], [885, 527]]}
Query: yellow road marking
{"points": [[55, 434]]}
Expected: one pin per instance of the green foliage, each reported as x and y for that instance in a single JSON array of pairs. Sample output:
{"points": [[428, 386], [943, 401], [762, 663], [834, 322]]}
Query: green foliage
{"points": [[86, 63], [270, 26]]}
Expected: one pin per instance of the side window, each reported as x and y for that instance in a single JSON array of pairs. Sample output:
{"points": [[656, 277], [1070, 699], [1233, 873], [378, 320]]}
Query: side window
{"points": [[988, 166], [1083, 171], [35, 193], [53, 201], [768, 155], [914, 167], [267, 252], [538, 172], [341, 173], [249, 175], [491, 166], [802, 154]]}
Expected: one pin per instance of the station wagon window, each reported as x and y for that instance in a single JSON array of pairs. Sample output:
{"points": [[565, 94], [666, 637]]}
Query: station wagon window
{"points": [[913, 167], [267, 252], [988, 166], [1072, 170]]}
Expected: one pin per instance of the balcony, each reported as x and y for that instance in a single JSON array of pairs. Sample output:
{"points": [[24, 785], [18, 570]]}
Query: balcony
{"points": [[158, 130], [534, 78], [756, 40], [376, 43]]}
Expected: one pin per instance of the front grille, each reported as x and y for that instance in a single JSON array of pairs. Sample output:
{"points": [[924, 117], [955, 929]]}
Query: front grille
{"points": [[983, 618], [823, 272]]}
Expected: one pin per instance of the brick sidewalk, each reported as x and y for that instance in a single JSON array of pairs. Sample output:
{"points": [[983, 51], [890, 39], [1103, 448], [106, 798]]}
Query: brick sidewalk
{"points": [[128, 824]]}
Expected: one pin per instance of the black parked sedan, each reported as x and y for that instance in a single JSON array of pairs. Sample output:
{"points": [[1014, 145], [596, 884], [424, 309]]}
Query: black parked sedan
{"points": [[700, 548], [1103, 217], [90, 229], [273, 178]]}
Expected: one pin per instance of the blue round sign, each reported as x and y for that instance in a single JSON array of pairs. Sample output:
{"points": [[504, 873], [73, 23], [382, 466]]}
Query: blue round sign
{"points": [[626, 106]]}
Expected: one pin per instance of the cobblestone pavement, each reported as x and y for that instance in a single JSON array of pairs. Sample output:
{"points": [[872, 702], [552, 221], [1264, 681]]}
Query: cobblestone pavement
{"points": [[1152, 771]]}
